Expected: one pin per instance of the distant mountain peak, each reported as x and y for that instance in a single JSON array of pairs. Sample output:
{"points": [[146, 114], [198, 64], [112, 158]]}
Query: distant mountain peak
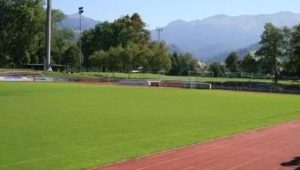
{"points": [[284, 13], [72, 21], [213, 36], [73, 16], [220, 16], [177, 22]]}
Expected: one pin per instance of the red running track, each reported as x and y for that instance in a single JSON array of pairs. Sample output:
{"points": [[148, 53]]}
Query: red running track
{"points": [[274, 148]]}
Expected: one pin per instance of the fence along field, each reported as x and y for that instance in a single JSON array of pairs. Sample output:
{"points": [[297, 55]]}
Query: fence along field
{"points": [[195, 80], [77, 126], [197, 76]]}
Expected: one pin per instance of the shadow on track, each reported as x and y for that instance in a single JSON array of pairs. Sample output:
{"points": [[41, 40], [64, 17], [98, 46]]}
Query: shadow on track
{"points": [[295, 163]]}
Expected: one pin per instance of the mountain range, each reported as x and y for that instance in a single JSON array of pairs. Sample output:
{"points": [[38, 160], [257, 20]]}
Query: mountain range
{"points": [[213, 38], [73, 22]]}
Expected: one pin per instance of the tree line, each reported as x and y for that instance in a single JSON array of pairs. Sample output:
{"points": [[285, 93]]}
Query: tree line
{"points": [[278, 55], [22, 34], [122, 45], [125, 45]]}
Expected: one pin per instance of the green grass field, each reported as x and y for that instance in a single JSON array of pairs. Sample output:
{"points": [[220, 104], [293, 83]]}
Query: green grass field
{"points": [[53, 126]]}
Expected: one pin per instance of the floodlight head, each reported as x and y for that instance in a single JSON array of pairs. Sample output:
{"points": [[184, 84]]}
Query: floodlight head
{"points": [[80, 10], [159, 29]]}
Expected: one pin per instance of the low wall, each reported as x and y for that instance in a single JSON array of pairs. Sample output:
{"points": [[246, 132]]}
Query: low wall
{"points": [[197, 85], [16, 78], [134, 82], [169, 83], [238, 86], [44, 79], [257, 87]]}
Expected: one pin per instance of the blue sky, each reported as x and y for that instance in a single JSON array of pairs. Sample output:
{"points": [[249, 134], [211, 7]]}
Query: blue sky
{"points": [[160, 12]]}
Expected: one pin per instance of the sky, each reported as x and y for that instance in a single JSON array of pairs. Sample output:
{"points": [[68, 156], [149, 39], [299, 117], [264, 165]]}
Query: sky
{"points": [[158, 13]]}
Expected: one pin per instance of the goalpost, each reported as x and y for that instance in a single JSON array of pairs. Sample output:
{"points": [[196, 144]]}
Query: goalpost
{"points": [[193, 81]]}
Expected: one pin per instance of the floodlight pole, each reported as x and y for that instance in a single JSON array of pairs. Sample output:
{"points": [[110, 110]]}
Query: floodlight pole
{"points": [[189, 74], [47, 66], [159, 30], [80, 11]]}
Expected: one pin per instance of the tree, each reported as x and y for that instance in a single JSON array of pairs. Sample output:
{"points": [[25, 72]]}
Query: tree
{"points": [[22, 33], [88, 44], [21, 26], [175, 65], [217, 68], [62, 40], [71, 56], [114, 60], [182, 64], [293, 62], [130, 29], [150, 57], [159, 58], [102, 37], [5, 13], [100, 59], [122, 32], [57, 17], [287, 49], [133, 57], [271, 50], [127, 44], [232, 62], [249, 64], [189, 63]]}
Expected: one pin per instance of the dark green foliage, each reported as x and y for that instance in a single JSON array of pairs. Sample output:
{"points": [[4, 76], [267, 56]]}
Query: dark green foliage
{"points": [[232, 62], [293, 61], [157, 57], [249, 64], [62, 39], [71, 56], [217, 68], [271, 50], [122, 32], [124, 45], [20, 31], [57, 16], [152, 56], [182, 64]]}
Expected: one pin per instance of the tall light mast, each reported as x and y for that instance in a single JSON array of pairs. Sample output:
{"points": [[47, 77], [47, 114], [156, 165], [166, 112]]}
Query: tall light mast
{"points": [[47, 66]]}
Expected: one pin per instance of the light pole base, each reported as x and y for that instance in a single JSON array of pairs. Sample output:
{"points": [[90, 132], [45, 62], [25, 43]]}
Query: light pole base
{"points": [[50, 69]]}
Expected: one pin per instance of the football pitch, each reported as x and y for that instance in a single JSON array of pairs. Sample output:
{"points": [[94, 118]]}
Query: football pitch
{"points": [[67, 126]]}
